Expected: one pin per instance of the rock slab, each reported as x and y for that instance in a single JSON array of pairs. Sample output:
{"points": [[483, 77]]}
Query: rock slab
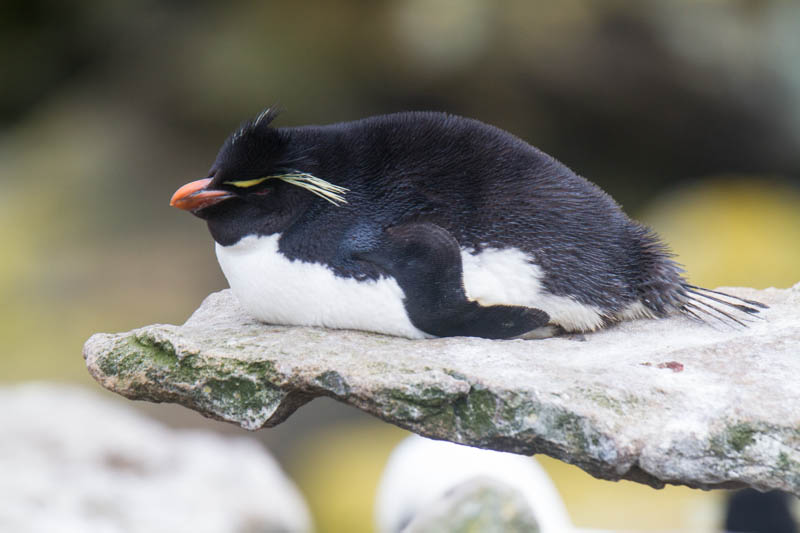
{"points": [[653, 401]]}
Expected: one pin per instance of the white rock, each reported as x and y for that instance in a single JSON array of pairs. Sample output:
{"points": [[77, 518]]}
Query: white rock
{"points": [[421, 472], [73, 461]]}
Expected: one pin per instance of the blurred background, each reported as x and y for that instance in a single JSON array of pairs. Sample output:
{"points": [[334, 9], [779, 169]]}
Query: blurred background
{"points": [[688, 113]]}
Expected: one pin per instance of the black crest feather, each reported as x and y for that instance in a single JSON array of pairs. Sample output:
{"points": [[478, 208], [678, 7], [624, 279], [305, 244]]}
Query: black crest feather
{"points": [[261, 121]]}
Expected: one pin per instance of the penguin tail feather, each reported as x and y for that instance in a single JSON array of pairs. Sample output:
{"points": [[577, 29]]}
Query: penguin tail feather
{"points": [[663, 289], [705, 305]]}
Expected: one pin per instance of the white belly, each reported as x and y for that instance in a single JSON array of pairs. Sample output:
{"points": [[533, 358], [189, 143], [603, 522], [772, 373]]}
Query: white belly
{"points": [[277, 290], [510, 277]]}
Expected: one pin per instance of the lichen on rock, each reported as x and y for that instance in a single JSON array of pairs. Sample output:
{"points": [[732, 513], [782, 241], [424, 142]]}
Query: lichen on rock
{"points": [[654, 401]]}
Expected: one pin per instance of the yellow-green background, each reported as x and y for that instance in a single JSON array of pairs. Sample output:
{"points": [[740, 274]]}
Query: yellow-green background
{"points": [[687, 112]]}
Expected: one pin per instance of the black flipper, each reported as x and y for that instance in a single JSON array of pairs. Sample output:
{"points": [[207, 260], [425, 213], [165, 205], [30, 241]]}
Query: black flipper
{"points": [[426, 262]]}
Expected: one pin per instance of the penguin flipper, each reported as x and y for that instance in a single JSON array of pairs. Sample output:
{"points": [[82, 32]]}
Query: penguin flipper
{"points": [[489, 322], [425, 260]]}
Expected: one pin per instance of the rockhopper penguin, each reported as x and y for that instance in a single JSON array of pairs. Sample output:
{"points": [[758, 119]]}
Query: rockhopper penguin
{"points": [[427, 224]]}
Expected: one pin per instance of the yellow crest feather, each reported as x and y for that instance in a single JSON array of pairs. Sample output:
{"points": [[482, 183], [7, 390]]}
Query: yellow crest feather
{"points": [[324, 189]]}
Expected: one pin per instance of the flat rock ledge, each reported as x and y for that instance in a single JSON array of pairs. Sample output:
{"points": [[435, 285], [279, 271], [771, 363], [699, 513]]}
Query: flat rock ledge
{"points": [[652, 401]]}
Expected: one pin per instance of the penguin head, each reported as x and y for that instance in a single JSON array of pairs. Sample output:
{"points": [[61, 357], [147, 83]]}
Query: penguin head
{"points": [[256, 185], [240, 172]]}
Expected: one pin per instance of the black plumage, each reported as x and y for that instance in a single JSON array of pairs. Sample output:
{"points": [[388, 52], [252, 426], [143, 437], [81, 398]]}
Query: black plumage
{"points": [[418, 188]]}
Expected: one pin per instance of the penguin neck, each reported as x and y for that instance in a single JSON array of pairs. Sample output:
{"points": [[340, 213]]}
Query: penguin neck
{"points": [[239, 219]]}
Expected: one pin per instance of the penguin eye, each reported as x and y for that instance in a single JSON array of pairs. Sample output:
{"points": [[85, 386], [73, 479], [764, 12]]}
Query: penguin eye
{"points": [[246, 183]]}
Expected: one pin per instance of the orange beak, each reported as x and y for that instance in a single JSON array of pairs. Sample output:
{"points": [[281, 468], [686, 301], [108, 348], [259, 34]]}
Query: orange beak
{"points": [[194, 195]]}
